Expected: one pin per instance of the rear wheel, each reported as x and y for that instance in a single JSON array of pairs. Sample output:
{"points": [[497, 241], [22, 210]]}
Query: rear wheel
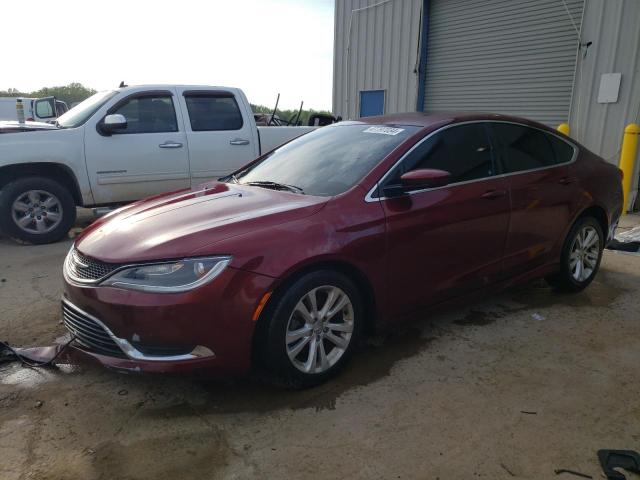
{"points": [[36, 210], [581, 256], [313, 329]]}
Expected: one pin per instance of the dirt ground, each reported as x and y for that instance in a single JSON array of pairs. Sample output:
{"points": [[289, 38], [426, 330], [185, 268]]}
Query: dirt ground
{"points": [[516, 387]]}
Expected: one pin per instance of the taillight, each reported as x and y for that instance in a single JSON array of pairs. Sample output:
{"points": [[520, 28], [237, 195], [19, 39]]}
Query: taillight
{"points": [[621, 174], [30, 119]]}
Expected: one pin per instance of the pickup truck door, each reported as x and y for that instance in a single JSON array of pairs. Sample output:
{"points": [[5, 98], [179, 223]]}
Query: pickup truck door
{"points": [[148, 157], [220, 130], [44, 109]]}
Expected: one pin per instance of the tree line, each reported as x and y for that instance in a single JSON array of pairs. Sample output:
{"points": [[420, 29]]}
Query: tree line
{"points": [[72, 93], [76, 92]]}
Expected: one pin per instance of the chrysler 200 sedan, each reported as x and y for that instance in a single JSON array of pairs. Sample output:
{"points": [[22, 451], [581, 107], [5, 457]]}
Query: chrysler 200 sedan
{"points": [[286, 263]]}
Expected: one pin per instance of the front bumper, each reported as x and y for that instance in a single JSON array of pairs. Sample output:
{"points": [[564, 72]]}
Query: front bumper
{"points": [[208, 329]]}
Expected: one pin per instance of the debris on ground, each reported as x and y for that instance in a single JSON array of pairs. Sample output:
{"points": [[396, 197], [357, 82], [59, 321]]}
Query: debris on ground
{"points": [[627, 240], [537, 317], [611, 459], [572, 472]]}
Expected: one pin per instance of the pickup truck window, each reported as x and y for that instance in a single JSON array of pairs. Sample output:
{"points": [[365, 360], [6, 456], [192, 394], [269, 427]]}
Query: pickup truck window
{"points": [[149, 114], [85, 109], [213, 111]]}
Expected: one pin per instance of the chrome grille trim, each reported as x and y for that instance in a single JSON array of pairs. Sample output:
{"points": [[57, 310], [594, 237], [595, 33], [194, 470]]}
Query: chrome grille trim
{"points": [[89, 333], [96, 337], [83, 269]]}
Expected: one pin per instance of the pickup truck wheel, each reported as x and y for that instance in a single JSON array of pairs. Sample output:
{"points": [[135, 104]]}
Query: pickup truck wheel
{"points": [[36, 210]]}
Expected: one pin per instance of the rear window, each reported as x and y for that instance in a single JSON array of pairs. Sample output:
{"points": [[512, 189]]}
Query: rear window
{"points": [[209, 112], [524, 148]]}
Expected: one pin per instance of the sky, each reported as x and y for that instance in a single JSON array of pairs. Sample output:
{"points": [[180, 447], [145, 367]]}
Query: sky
{"points": [[261, 46]]}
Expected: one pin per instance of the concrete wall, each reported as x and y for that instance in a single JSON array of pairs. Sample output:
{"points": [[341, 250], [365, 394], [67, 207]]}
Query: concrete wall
{"points": [[614, 28], [382, 53]]}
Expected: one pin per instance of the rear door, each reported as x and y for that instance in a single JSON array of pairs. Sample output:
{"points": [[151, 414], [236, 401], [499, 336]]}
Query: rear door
{"points": [[148, 157], [544, 192], [448, 240], [220, 131]]}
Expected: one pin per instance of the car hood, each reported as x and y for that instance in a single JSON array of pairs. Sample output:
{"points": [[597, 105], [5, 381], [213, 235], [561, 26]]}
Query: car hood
{"points": [[14, 126], [174, 225]]}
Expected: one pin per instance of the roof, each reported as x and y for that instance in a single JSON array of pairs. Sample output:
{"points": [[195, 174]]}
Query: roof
{"points": [[427, 120]]}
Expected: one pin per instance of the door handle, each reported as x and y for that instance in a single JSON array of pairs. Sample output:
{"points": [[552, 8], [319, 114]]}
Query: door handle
{"points": [[170, 144], [239, 141], [494, 194], [567, 180]]}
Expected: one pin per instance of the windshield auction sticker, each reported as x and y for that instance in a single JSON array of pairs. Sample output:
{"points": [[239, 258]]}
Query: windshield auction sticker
{"points": [[384, 130]]}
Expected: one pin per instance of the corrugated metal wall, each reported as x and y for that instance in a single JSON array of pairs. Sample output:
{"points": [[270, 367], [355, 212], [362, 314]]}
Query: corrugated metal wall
{"points": [[515, 57], [383, 53], [614, 28]]}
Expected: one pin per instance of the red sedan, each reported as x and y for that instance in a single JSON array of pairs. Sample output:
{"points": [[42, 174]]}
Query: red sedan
{"points": [[288, 262]]}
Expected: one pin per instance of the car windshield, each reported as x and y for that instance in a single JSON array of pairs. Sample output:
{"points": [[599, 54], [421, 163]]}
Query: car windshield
{"points": [[81, 112], [327, 161]]}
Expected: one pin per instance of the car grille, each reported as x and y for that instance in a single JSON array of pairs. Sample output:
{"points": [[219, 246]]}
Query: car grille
{"points": [[89, 333], [83, 268]]}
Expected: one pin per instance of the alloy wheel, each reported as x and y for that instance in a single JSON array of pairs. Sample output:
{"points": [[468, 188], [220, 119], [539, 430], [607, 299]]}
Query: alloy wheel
{"points": [[36, 211], [585, 253], [319, 329]]}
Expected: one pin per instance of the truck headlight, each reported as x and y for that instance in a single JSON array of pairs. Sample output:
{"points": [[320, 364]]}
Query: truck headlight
{"points": [[169, 277]]}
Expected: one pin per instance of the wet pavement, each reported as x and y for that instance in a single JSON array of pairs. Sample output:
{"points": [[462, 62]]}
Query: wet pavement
{"points": [[527, 382]]}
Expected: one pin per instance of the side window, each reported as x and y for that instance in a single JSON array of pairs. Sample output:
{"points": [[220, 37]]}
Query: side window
{"points": [[525, 148], [213, 111], [562, 150], [149, 114], [464, 151]]}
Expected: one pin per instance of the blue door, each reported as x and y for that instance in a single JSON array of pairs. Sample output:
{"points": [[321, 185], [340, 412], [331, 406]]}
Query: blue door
{"points": [[371, 103]]}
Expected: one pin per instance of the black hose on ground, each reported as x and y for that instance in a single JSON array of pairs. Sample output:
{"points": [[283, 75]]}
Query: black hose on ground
{"points": [[8, 354]]}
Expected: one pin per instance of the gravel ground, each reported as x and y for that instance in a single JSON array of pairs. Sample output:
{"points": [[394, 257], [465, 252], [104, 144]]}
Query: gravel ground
{"points": [[525, 383]]}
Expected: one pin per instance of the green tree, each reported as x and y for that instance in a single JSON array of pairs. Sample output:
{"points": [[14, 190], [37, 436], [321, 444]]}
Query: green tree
{"points": [[287, 115], [74, 92]]}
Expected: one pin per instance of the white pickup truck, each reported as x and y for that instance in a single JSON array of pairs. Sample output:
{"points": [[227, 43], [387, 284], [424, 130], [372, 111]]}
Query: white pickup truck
{"points": [[122, 145]]}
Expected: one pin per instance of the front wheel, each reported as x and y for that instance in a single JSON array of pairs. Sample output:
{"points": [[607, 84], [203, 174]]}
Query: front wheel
{"points": [[581, 256], [36, 210], [313, 329]]}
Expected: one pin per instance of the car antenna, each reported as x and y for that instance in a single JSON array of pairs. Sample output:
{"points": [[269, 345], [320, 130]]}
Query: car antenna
{"points": [[122, 84], [299, 112], [273, 115]]}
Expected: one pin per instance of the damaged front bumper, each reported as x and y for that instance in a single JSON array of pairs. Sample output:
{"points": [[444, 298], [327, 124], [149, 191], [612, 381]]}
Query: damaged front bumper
{"points": [[95, 336]]}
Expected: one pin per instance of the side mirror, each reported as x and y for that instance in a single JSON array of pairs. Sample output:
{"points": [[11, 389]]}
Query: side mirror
{"points": [[113, 123], [418, 180], [45, 107]]}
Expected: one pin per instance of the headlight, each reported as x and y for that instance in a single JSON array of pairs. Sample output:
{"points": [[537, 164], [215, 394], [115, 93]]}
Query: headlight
{"points": [[169, 277]]}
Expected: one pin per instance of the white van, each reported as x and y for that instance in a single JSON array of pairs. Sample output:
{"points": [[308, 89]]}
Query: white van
{"points": [[45, 109]]}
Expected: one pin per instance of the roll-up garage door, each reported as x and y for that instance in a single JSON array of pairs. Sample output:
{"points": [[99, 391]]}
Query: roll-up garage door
{"points": [[515, 57]]}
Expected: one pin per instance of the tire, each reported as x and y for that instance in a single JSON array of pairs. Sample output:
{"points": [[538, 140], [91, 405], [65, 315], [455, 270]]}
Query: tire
{"points": [[570, 278], [305, 369], [36, 210]]}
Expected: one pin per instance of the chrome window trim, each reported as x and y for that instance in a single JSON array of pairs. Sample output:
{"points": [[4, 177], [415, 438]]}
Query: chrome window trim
{"points": [[133, 353], [370, 194]]}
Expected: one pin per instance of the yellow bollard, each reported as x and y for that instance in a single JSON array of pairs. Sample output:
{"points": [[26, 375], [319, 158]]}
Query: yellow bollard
{"points": [[564, 128], [628, 160]]}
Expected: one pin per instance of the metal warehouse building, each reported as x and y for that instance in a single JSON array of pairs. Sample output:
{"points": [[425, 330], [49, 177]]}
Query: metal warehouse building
{"points": [[555, 61]]}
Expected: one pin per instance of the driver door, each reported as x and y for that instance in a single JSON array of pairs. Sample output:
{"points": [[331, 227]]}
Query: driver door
{"points": [[148, 157], [448, 240]]}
